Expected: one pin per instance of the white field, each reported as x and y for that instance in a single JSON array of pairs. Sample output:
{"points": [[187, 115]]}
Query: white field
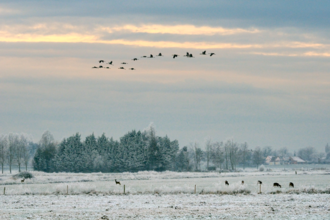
{"points": [[169, 195]]}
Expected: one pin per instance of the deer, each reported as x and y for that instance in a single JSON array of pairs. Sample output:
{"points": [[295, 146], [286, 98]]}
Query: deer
{"points": [[226, 182], [291, 184], [117, 182], [22, 181], [277, 185]]}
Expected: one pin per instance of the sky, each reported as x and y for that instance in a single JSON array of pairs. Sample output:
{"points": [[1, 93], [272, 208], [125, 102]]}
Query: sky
{"points": [[268, 83]]}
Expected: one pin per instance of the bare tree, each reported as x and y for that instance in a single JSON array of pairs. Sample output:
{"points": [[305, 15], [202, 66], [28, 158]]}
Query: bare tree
{"points": [[244, 154], [327, 148], [233, 154], [258, 156], [3, 150], [46, 139], [13, 142], [208, 151], [267, 151], [217, 154], [198, 154], [307, 153], [26, 157], [283, 151], [20, 150], [227, 150]]}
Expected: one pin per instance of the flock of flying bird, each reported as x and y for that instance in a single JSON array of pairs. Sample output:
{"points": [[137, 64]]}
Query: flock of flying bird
{"points": [[188, 55]]}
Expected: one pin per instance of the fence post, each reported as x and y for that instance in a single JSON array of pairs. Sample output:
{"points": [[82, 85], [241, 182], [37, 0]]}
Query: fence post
{"points": [[195, 189], [124, 189], [260, 189], [4, 190]]}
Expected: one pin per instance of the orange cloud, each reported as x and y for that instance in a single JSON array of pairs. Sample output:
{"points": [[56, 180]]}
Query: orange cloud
{"points": [[179, 29], [306, 54]]}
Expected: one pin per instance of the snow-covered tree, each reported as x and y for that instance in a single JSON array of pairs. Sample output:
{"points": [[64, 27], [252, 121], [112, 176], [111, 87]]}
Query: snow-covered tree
{"points": [[3, 150]]}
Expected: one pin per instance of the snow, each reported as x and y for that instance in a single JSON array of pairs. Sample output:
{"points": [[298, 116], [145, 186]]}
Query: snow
{"points": [[180, 206], [169, 195]]}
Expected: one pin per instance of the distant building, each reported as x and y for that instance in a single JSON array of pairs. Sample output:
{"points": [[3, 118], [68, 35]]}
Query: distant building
{"points": [[296, 160], [268, 159], [285, 160]]}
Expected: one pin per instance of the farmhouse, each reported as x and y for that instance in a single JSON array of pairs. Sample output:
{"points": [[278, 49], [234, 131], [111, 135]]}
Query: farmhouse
{"points": [[296, 160]]}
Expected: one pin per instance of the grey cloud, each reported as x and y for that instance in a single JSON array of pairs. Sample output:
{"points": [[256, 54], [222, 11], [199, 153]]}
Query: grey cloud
{"points": [[239, 13]]}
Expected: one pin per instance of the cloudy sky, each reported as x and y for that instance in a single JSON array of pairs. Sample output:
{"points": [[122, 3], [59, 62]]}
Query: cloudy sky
{"points": [[268, 84]]}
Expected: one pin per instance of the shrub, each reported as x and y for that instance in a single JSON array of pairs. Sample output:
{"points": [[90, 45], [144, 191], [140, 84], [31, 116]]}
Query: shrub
{"points": [[26, 175], [261, 168]]}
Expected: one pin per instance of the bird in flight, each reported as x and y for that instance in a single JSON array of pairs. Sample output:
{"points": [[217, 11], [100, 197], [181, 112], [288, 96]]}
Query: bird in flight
{"points": [[108, 67], [144, 56], [94, 67], [121, 68], [175, 55], [151, 56], [211, 54], [101, 61], [132, 69], [204, 52], [100, 66], [110, 63], [135, 59], [123, 63], [160, 55]]}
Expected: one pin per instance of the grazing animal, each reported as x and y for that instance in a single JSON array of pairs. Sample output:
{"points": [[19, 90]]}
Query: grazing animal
{"points": [[135, 59], [160, 55], [259, 182], [226, 182], [117, 182], [100, 66], [211, 54], [22, 181], [242, 182], [101, 61], [291, 184], [121, 68], [277, 185], [204, 52], [110, 63], [175, 55]]}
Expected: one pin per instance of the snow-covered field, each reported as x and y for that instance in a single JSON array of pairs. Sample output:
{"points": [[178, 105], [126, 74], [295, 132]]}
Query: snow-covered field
{"points": [[180, 206], [169, 195]]}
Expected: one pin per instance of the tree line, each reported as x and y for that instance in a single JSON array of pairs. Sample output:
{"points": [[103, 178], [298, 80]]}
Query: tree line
{"points": [[15, 149], [137, 151]]}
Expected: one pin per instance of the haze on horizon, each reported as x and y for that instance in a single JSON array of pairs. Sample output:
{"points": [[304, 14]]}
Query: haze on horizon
{"points": [[267, 85]]}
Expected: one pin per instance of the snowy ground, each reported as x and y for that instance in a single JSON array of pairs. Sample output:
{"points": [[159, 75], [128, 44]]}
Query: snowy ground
{"points": [[180, 206], [169, 195]]}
